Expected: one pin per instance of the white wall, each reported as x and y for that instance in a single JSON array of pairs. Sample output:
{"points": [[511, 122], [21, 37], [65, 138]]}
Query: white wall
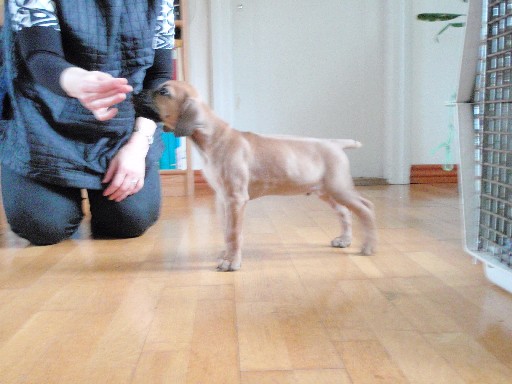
{"points": [[402, 118], [199, 55], [199, 52], [435, 68], [312, 69]]}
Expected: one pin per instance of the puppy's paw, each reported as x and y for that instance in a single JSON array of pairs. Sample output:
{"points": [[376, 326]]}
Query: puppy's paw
{"points": [[226, 265], [367, 250], [341, 242]]}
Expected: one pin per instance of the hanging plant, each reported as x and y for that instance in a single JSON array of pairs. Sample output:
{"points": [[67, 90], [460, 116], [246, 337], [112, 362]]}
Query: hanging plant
{"points": [[436, 17]]}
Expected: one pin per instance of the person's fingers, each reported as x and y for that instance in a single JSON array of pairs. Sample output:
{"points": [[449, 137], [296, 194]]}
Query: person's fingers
{"points": [[106, 85], [100, 91], [121, 184], [111, 171], [135, 187], [115, 184], [105, 114], [126, 189], [105, 102], [124, 195], [91, 97], [138, 186]]}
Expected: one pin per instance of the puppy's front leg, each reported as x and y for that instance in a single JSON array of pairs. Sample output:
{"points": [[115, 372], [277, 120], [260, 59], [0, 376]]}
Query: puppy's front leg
{"points": [[233, 221]]}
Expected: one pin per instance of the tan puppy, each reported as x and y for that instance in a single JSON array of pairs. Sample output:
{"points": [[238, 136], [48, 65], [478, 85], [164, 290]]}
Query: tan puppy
{"points": [[241, 166]]}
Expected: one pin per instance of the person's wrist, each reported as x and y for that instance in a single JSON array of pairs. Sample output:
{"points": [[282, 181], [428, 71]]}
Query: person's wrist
{"points": [[69, 78], [144, 128], [137, 146], [147, 134], [141, 139], [142, 136]]}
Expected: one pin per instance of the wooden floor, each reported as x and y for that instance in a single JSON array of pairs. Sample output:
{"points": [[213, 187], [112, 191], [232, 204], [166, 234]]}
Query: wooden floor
{"points": [[154, 310]]}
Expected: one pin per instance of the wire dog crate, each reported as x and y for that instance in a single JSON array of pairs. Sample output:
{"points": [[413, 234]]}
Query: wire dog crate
{"points": [[484, 105]]}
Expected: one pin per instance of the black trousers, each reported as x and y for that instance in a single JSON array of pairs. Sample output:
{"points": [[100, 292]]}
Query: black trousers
{"points": [[47, 214]]}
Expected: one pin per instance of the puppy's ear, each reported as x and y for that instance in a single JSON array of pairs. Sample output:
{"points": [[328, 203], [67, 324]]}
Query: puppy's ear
{"points": [[192, 116]]}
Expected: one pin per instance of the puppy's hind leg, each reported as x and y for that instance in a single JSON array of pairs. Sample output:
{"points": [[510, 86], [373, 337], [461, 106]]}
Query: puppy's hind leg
{"points": [[345, 218], [363, 208]]}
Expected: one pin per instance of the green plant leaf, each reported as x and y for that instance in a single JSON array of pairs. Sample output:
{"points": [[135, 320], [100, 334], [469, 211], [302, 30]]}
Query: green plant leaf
{"points": [[453, 25], [438, 16]]}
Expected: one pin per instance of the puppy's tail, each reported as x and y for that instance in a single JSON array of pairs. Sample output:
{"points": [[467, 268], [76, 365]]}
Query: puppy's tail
{"points": [[347, 143]]}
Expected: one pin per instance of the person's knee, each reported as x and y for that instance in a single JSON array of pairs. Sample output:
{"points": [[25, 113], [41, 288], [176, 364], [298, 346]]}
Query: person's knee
{"points": [[41, 213], [125, 224], [133, 228], [42, 230]]}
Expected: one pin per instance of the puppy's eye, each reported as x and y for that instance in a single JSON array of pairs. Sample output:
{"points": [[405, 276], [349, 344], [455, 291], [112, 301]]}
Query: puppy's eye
{"points": [[164, 92]]}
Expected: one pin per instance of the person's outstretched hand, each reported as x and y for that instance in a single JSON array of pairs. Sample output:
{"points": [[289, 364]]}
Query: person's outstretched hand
{"points": [[97, 91]]}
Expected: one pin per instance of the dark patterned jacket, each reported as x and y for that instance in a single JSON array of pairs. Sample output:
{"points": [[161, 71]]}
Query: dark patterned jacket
{"points": [[53, 138]]}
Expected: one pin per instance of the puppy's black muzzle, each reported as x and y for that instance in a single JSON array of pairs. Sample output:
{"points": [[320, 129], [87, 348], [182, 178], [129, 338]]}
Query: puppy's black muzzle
{"points": [[144, 105]]}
